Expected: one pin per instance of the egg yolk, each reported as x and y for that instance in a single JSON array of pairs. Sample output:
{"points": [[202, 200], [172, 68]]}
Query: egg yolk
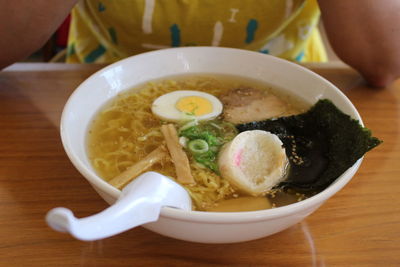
{"points": [[196, 105]]}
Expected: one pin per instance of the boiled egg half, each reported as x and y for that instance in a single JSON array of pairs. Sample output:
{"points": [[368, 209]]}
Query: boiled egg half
{"points": [[180, 105]]}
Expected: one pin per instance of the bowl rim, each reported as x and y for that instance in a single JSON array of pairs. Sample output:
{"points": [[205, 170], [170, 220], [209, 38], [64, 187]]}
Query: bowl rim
{"points": [[204, 216]]}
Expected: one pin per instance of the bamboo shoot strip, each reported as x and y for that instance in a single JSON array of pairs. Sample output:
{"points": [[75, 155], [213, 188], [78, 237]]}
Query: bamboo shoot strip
{"points": [[178, 156], [132, 172]]}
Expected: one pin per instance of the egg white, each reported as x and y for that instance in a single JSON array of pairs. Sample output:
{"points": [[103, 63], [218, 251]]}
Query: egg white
{"points": [[164, 107]]}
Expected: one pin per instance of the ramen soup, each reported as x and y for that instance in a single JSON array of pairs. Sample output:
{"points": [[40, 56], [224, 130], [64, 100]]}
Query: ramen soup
{"points": [[185, 128]]}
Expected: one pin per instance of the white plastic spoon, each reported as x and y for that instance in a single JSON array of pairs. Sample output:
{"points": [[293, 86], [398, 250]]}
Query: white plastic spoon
{"points": [[140, 202]]}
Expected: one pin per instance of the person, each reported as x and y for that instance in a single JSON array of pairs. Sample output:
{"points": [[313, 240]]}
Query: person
{"points": [[286, 29], [363, 33]]}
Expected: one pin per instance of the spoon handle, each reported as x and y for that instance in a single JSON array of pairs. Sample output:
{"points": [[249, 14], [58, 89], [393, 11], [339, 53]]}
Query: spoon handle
{"points": [[140, 202]]}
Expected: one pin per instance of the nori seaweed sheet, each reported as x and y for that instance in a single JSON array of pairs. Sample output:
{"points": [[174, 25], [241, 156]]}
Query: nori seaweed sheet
{"points": [[321, 144]]}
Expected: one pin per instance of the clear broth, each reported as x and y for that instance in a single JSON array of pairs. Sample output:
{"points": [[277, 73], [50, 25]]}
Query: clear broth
{"points": [[125, 130]]}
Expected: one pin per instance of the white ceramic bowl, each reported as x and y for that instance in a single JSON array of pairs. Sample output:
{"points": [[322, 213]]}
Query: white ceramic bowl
{"points": [[205, 227]]}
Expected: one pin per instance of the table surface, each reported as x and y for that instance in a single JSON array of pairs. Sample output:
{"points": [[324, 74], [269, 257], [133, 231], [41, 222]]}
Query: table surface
{"points": [[359, 226]]}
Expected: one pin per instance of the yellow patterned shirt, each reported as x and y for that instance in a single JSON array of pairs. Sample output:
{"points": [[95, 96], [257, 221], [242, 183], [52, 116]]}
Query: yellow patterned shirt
{"points": [[104, 31]]}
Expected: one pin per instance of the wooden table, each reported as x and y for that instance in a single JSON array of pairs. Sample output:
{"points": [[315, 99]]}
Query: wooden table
{"points": [[360, 226]]}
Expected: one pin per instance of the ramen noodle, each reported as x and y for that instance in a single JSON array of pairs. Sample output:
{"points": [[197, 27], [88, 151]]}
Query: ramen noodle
{"points": [[125, 130]]}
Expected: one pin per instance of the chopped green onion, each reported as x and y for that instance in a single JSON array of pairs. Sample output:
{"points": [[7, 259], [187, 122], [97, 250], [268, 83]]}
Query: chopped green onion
{"points": [[188, 125], [215, 133], [183, 141], [198, 146], [216, 126]]}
